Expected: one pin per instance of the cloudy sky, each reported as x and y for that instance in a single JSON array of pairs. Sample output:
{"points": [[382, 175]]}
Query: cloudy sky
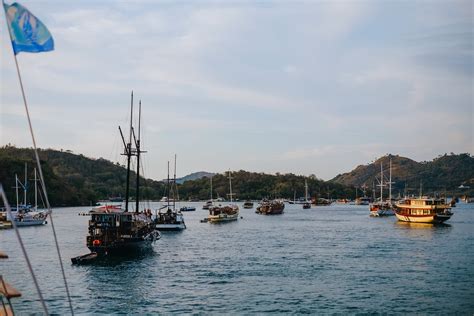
{"points": [[309, 87]]}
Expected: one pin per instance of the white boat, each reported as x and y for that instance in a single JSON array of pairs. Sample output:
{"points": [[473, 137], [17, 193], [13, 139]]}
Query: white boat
{"points": [[224, 213], [171, 219], [24, 214], [381, 207], [423, 210]]}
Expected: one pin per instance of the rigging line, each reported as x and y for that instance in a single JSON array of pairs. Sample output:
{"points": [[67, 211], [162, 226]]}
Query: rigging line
{"points": [[43, 186], [23, 249]]}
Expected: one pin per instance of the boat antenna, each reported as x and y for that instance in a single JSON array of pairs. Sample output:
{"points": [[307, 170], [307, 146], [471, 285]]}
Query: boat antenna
{"points": [[137, 145]]}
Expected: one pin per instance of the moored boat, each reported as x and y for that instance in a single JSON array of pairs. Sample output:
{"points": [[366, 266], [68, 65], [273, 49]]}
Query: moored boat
{"points": [[224, 213], [187, 209], [381, 207], [171, 219], [248, 204], [117, 231], [273, 207], [423, 210]]}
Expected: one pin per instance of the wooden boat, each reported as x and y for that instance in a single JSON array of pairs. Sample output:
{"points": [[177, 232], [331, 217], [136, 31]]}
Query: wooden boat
{"points": [[224, 213], [248, 204], [273, 207], [423, 210], [113, 230]]}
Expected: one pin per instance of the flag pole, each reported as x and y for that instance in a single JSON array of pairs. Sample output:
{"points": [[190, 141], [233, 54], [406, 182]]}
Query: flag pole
{"points": [[38, 163]]}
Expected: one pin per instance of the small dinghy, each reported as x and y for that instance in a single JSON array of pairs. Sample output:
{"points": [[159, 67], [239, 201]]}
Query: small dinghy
{"points": [[85, 259]]}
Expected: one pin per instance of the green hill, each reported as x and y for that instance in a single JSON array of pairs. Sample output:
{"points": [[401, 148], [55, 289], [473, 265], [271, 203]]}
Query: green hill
{"points": [[444, 173], [71, 179]]}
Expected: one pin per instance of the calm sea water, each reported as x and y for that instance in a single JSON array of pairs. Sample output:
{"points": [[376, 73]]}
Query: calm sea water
{"points": [[333, 259]]}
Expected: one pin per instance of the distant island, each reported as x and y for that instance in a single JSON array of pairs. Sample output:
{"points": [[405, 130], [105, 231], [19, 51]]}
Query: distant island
{"points": [[73, 179]]}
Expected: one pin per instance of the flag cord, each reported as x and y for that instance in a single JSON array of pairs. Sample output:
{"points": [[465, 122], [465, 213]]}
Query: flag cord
{"points": [[43, 186], [23, 249]]}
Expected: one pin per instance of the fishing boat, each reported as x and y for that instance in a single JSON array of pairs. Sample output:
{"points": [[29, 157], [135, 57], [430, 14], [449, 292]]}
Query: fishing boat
{"points": [[381, 207], [270, 207], [117, 231], [423, 210], [248, 204], [224, 213], [168, 218]]}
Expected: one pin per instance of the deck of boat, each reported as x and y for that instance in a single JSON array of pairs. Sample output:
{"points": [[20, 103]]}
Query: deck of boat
{"points": [[8, 292]]}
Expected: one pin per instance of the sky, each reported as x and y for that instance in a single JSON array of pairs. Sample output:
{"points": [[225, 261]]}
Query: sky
{"points": [[307, 87]]}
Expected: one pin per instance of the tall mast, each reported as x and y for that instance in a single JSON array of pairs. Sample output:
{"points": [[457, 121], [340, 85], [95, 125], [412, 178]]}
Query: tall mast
{"points": [[175, 191], [128, 152], [390, 183], [212, 201], [16, 187], [168, 186], [381, 181], [25, 188], [305, 190], [230, 187], [137, 144], [36, 193]]}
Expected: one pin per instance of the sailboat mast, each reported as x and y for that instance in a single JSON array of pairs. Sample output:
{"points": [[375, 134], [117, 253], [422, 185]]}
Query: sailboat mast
{"points": [[305, 190], [390, 183], [128, 152], [36, 193], [175, 190], [168, 186], [381, 181], [25, 188], [16, 189], [137, 144], [230, 187], [211, 189]]}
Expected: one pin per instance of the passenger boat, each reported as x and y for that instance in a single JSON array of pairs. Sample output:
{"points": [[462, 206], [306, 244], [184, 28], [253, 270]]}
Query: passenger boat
{"points": [[423, 210], [117, 231], [273, 207], [171, 219], [248, 204], [224, 213]]}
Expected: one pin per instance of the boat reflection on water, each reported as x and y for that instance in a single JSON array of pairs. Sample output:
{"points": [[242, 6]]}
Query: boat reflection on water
{"points": [[414, 225]]}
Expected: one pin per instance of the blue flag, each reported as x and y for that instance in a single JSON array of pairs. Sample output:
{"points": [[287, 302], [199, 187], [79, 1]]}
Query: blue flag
{"points": [[27, 32]]}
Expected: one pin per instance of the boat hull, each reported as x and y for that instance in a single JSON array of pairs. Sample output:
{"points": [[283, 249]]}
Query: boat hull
{"points": [[432, 219], [222, 218], [33, 222], [170, 227]]}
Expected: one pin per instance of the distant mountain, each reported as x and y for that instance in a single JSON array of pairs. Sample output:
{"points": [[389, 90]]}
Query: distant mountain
{"points": [[446, 172], [195, 176]]}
